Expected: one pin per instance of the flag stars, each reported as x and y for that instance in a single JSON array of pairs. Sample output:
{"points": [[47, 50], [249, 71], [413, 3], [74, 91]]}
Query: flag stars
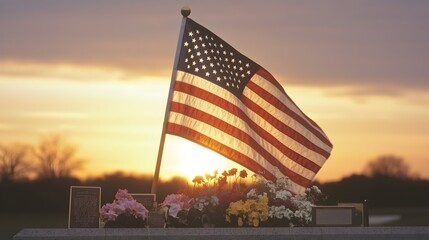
{"points": [[209, 57]]}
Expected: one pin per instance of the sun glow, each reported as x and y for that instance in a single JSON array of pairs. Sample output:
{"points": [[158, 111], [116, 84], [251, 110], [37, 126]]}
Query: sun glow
{"points": [[197, 160], [191, 159]]}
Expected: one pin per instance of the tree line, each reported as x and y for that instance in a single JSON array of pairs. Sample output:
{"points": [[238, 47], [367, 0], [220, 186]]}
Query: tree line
{"points": [[385, 182], [52, 157]]}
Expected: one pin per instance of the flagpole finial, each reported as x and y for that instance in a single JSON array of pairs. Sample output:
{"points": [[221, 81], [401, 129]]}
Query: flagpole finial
{"points": [[185, 11]]}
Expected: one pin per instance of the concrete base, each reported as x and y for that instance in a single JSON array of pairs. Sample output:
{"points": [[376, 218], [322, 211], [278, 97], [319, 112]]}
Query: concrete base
{"points": [[308, 233]]}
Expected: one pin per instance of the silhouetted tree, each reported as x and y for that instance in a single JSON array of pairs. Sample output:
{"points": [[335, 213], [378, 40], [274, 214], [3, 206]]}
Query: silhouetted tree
{"points": [[14, 162], [388, 165], [56, 158]]}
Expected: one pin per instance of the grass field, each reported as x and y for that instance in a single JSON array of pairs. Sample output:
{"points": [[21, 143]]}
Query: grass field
{"points": [[10, 224]]}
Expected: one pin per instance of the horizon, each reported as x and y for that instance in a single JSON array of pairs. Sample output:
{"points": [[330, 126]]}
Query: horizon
{"points": [[100, 76]]}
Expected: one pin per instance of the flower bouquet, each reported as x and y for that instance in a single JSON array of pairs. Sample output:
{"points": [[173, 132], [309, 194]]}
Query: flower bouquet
{"points": [[285, 208], [226, 201], [124, 212]]}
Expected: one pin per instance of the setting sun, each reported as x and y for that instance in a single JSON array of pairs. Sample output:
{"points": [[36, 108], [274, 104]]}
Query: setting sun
{"points": [[189, 159]]}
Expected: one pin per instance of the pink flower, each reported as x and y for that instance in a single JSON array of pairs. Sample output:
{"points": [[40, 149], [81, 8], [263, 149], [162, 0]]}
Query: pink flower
{"points": [[123, 194], [123, 204], [177, 203]]}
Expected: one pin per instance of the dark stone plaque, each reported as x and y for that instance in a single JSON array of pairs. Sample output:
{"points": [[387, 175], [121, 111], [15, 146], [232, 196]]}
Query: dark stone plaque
{"points": [[84, 207], [147, 199], [358, 215], [333, 216]]}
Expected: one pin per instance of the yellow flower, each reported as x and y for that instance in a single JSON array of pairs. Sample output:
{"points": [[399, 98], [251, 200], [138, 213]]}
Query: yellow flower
{"points": [[253, 211], [240, 222], [256, 222]]}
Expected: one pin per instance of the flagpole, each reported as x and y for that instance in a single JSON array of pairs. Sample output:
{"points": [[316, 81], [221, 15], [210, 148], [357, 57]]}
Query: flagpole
{"points": [[185, 13]]}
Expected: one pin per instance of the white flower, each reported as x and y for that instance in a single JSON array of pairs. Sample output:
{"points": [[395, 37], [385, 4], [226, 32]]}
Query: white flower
{"points": [[283, 194], [199, 206], [277, 211], [282, 182], [251, 193], [271, 186], [214, 200], [316, 189], [202, 202], [302, 196]]}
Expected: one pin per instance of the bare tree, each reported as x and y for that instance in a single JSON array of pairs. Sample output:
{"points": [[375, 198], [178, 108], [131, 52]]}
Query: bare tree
{"points": [[388, 165], [56, 158], [14, 162]]}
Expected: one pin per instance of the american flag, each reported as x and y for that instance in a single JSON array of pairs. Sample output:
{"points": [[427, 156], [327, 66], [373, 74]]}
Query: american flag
{"points": [[226, 102]]}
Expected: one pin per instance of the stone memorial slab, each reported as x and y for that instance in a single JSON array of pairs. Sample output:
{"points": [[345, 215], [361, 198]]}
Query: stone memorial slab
{"points": [[333, 216], [84, 205], [359, 214]]}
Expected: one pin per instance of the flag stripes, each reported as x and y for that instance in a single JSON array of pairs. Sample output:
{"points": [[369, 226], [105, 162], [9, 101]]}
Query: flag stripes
{"points": [[241, 130], [269, 88]]}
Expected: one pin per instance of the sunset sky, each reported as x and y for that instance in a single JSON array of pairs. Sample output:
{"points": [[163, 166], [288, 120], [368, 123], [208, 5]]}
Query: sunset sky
{"points": [[98, 72]]}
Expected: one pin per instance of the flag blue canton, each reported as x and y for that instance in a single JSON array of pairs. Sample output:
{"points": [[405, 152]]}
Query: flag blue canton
{"points": [[207, 56]]}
